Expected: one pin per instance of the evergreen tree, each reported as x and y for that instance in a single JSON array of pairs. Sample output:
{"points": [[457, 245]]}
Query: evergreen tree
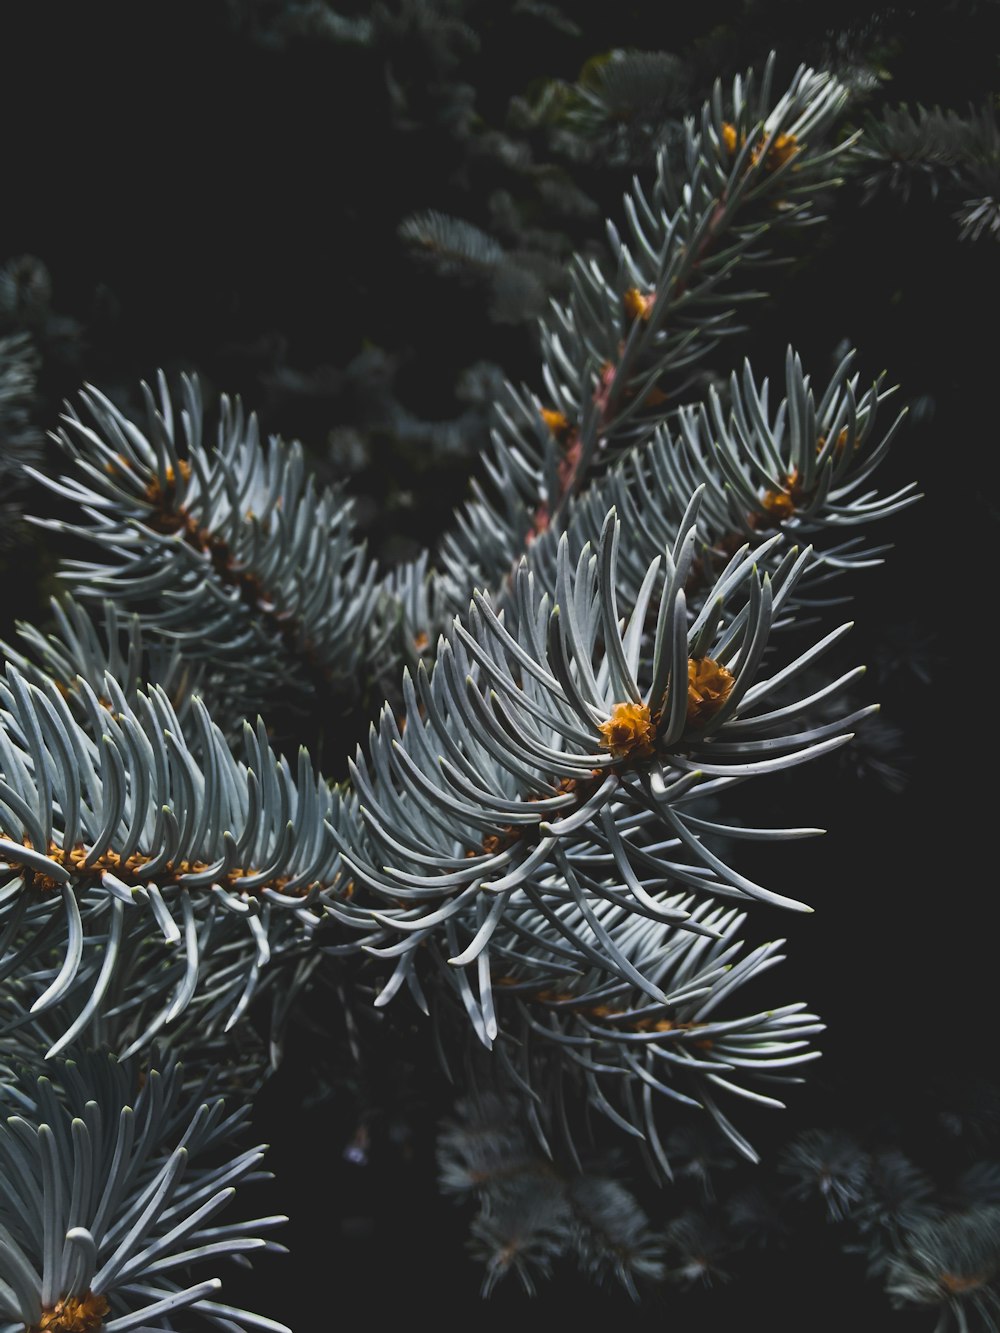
{"points": [[416, 783]]}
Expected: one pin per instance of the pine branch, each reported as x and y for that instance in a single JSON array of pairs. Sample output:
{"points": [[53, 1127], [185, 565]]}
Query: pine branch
{"points": [[615, 356], [227, 549], [528, 829], [111, 1186], [943, 152], [79, 646], [149, 864]]}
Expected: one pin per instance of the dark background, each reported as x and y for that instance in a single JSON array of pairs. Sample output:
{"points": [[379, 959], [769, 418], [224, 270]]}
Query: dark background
{"points": [[203, 201]]}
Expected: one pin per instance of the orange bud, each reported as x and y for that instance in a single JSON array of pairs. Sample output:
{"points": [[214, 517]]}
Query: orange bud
{"points": [[629, 730], [557, 422], [783, 147], [638, 304], [709, 686], [839, 443], [74, 1314]]}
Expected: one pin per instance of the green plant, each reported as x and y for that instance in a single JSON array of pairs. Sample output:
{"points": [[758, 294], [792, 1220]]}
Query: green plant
{"points": [[627, 622]]}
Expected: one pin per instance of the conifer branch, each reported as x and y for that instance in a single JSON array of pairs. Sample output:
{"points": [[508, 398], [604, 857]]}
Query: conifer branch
{"points": [[228, 548], [110, 1198]]}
